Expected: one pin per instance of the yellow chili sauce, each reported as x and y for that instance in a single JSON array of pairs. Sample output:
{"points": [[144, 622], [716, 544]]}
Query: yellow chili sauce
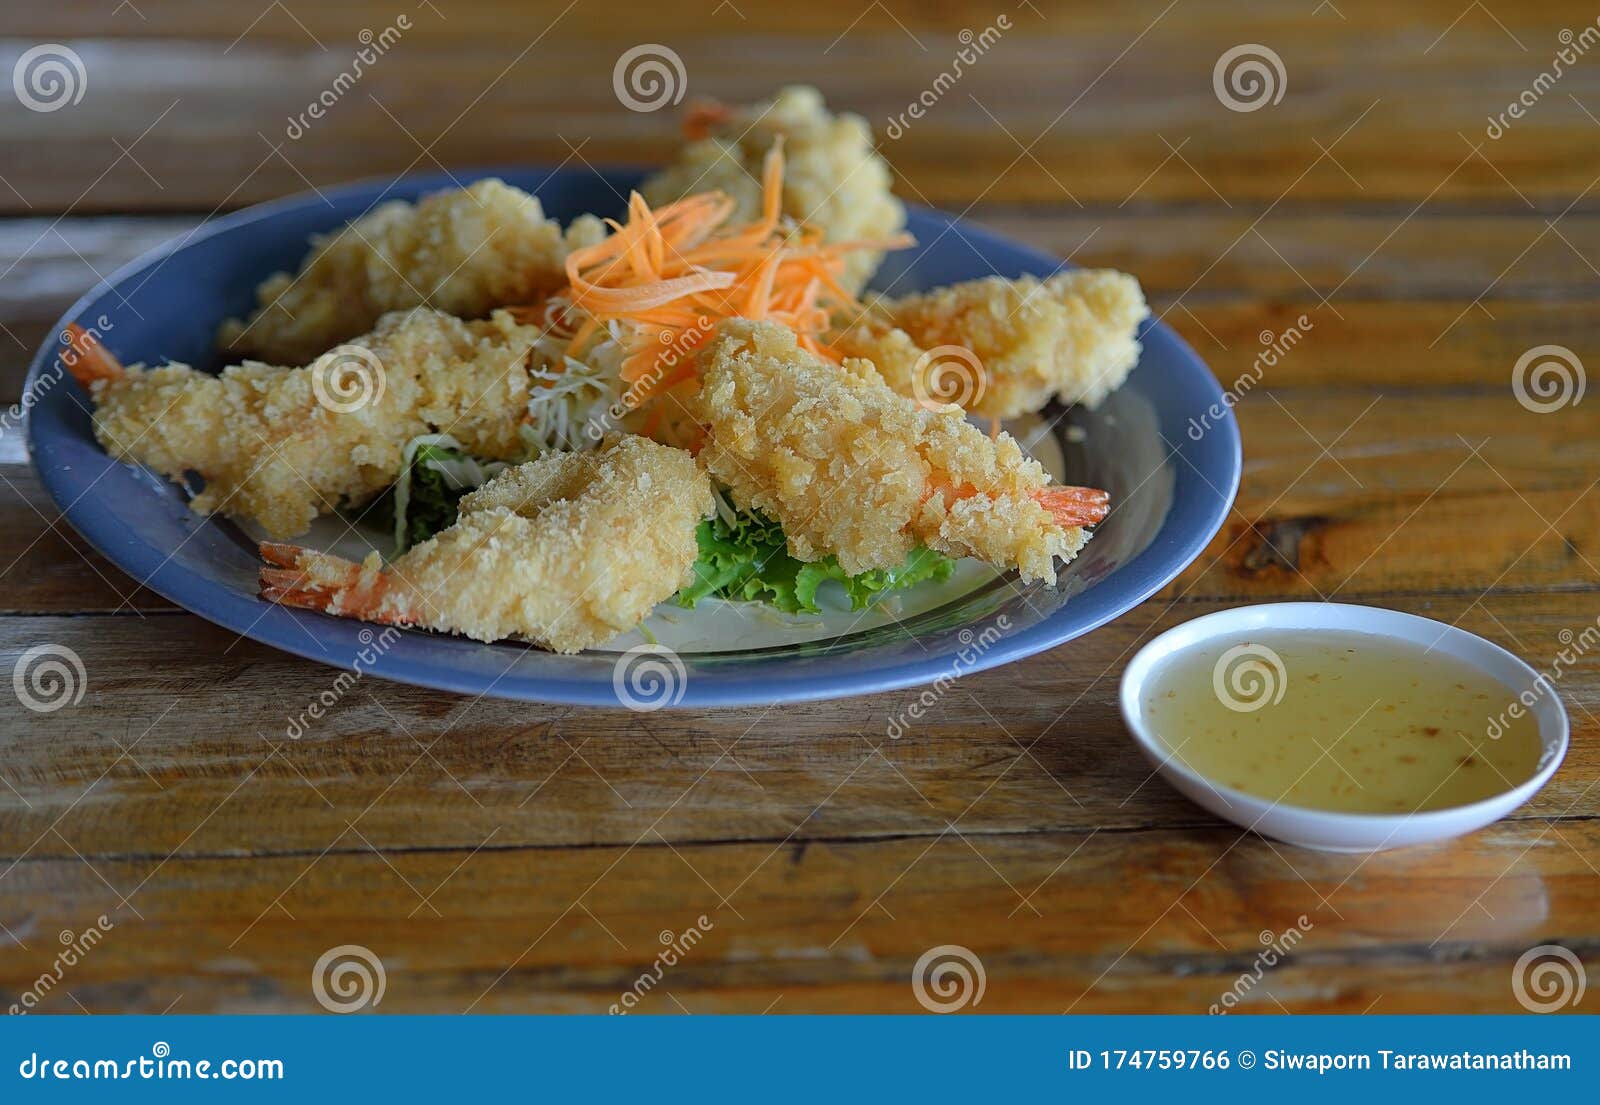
{"points": [[1342, 721]]}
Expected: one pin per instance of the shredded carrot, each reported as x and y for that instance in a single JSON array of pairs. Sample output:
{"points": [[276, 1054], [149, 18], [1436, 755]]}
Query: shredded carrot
{"points": [[668, 275]]}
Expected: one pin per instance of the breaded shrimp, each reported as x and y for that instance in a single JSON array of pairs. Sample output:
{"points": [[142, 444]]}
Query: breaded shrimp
{"points": [[283, 445], [463, 252], [1071, 336], [834, 180], [849, 467], [568, 550]]}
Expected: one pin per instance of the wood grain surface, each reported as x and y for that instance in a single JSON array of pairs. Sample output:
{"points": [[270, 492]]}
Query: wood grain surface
{"points": [[506, 857]]}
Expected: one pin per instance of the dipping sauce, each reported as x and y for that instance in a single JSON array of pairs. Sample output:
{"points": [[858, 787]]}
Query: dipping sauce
{"points": [[1342, 721]]}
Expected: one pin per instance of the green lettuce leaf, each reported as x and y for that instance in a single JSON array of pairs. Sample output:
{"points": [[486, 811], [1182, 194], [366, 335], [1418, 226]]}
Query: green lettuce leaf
{"points": [[434, 497], [747, 560]]}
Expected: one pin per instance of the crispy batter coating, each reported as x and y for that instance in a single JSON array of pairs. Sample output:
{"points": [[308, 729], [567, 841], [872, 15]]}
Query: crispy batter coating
{"points": [[283, 445], [464, 252], [1071, 336], [568, 550], [833, 178], [851, 468]]}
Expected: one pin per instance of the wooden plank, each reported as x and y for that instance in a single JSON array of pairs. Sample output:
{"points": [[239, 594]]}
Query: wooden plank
{"points": [[1416, 492], [1389, 348], [195, 757], [1090, 923], [489, 20], [1310, 252], [1060, 92]]}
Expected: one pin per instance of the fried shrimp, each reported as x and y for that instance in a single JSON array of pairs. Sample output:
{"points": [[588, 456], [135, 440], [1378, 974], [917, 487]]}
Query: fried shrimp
{"points": [[1072, 336], [850, 468], [463, 252], [283, 445], [568, 550], [835, 180]]}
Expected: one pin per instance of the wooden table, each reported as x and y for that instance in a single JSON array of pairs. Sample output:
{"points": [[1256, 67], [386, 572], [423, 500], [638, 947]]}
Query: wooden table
{"points": [[508, 857]]}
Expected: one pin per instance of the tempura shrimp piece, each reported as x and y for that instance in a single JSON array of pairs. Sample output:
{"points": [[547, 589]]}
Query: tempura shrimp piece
{"points": [[851, 468], [463, 252], [1016, 343], [835, 180], [568, 550], [283, 445]]}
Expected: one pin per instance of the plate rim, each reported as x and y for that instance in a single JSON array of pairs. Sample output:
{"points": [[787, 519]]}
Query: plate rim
{"points": [[245, 618]]}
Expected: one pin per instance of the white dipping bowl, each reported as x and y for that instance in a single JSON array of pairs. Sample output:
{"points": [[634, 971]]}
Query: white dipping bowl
{"points": [[1329, 830]]}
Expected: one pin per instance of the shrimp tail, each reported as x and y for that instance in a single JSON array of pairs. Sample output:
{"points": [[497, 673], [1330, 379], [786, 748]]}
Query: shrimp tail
{"points": [[87, 359], [703, 117], [310, 580], [1074, 506]]}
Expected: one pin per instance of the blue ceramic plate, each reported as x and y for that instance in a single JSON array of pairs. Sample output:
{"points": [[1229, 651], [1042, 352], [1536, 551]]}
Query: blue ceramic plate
{"points": [[1170, 494]]}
